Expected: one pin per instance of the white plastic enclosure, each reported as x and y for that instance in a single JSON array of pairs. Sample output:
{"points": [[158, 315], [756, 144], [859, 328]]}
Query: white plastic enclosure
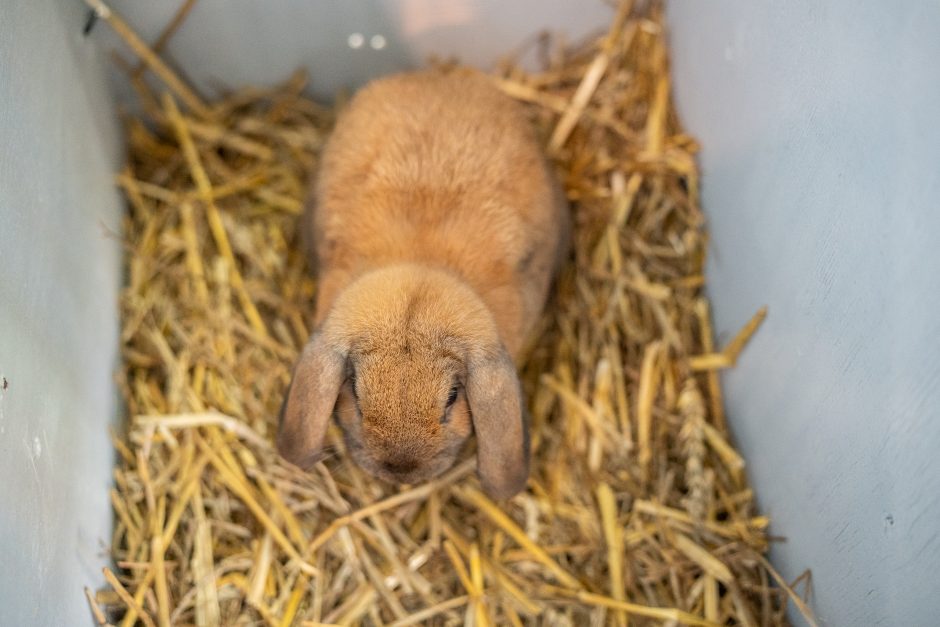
{"points": [[821, 179]]}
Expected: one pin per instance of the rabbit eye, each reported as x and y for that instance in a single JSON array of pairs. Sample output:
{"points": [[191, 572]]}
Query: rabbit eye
{"points": [[452, 397], [352, 384]]}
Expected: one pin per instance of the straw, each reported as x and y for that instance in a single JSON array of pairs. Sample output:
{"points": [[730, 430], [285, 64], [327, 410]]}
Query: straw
{"points": [[96, 612], [637, 510], [150, 58]]}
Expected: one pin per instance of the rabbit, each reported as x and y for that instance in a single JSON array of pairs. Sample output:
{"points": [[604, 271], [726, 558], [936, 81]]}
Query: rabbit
{"points": [[436, 226]]}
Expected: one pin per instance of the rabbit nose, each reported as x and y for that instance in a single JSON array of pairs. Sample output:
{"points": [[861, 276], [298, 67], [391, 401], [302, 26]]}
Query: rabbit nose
{"points": [[400, 466]]}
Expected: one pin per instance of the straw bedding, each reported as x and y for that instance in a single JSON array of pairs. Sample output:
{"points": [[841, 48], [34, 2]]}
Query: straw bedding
{"points": [[638, 508]]}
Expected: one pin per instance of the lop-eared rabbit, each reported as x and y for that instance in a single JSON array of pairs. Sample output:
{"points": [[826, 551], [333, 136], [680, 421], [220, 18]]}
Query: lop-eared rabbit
{"points": [[436, 227]]}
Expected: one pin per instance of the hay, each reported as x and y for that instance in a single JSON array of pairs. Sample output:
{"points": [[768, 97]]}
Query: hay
{"points": [[637, 510]]}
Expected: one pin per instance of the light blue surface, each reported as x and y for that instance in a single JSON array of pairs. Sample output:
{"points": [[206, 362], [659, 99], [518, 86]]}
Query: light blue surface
{"points": [[59, 276], [252, 42], [821, 179]]}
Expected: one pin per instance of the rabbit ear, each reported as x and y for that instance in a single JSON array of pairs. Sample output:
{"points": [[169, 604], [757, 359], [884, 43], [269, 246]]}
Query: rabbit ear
{"points": [[495, 400], [308, 404]]}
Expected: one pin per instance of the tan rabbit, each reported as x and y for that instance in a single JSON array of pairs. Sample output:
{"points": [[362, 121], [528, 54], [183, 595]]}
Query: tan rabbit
{"points": [[437, 226]]}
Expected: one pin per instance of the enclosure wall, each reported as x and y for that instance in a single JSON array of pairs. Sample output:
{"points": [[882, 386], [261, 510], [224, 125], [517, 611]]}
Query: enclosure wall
{"points": [[59, 276], [821, 165], [230, 43]]}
